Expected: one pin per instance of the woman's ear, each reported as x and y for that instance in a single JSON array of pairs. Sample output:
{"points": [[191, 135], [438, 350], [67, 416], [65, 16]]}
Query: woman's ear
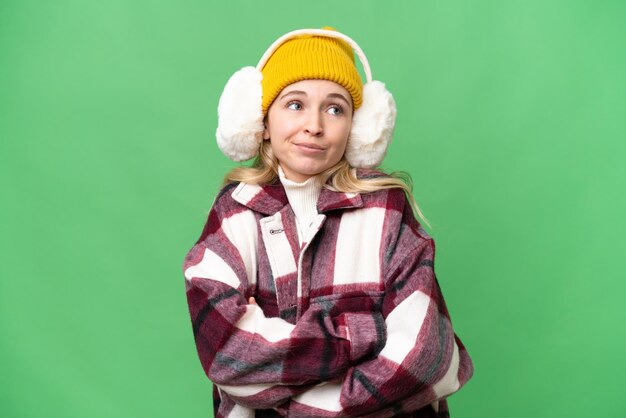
{"points": [[266, 131]]}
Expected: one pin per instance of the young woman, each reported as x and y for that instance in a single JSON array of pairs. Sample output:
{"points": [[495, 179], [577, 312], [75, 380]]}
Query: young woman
{"points": [[311, 289]]}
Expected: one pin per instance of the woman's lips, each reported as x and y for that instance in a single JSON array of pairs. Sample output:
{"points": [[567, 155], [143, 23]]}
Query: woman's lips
{"points": [[310, 148]]}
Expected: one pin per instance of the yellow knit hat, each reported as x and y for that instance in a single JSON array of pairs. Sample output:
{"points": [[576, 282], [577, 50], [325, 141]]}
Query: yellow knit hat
{"points": [[311, 57]]}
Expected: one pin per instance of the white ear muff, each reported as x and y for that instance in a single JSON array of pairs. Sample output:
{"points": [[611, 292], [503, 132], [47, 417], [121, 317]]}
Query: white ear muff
{"points": [[240, 116], [372, 127]]}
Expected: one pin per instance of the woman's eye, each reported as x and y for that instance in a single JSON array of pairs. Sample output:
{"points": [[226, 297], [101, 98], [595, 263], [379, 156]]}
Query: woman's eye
{"points": [[294, 106], [335, 110]]}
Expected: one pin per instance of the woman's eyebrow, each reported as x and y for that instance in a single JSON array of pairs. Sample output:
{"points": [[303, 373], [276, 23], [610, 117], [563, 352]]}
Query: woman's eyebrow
{"points": [[292, 92], [339, 96]]}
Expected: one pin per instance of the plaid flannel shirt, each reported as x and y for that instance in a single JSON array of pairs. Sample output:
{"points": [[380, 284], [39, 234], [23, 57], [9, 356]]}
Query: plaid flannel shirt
{"points": [[351, 322]]}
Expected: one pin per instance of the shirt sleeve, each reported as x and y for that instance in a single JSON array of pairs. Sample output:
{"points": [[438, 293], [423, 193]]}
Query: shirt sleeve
{"points": [[260, 361], [422, 362]]}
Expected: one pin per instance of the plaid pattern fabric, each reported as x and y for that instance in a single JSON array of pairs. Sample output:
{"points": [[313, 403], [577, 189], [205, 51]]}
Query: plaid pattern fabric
{"points": [[350, 323]]}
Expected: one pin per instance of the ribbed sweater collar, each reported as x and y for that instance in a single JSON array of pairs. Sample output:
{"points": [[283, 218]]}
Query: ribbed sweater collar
{"points": [[302, 198]]}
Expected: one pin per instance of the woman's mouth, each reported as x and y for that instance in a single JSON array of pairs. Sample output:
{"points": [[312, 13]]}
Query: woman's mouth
{"points": [[308, 147]]}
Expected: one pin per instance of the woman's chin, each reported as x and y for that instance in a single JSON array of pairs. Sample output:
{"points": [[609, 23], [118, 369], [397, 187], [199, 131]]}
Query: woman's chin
{"points": [[303, 172]]}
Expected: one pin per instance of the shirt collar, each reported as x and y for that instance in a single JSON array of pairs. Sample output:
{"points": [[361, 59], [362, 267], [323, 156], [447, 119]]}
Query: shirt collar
{"points": [[271, 198]]}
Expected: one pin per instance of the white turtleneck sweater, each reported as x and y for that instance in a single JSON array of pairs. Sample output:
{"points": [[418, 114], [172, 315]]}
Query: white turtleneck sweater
{"points": [[303, 200]]}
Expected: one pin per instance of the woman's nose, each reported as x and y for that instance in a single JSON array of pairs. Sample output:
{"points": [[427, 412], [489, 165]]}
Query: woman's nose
{"points": [[313, 125]]}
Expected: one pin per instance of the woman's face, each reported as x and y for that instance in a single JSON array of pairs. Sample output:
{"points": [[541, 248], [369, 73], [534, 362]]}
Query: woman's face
{"points": [[308, 126]]}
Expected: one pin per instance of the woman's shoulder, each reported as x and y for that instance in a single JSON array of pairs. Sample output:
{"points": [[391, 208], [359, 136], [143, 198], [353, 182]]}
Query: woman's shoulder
{"points": [[224, 201], [389, 191], [370, 173], [226, 191]]}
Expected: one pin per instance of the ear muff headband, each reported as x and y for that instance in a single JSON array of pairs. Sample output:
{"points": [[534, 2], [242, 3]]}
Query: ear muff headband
{"points": [[240, 116], [318, 32]]}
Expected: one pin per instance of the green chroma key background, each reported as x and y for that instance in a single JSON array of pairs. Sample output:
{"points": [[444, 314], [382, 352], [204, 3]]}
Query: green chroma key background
{"points": [[511, 122]]}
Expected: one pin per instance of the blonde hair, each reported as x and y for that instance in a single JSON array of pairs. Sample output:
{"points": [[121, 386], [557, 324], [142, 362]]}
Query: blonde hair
{"points": [[339, 178]]}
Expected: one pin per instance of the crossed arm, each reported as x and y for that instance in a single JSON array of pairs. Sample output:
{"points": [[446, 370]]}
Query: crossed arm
{"points": [[421, 363], [262, 362], [268, 363]]}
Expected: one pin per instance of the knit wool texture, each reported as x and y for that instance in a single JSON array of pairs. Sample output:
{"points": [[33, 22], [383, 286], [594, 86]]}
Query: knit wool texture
{"points": [[311, 57], [303, 200]]}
